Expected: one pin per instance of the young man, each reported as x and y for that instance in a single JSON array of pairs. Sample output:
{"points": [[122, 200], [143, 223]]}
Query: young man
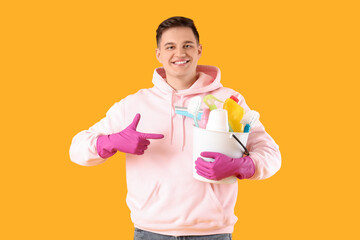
{"points": [[164, 198]]}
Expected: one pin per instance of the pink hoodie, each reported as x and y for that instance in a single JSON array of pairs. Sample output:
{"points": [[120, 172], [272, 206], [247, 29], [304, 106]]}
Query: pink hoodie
{"points": [[163, 195]]}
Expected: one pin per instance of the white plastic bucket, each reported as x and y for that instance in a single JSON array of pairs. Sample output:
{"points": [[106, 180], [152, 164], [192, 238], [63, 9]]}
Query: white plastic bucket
{"points": [[214, 141]]}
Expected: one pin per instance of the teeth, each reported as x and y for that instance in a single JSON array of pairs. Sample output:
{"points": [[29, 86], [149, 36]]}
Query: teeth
{"points": [[183, 62]]}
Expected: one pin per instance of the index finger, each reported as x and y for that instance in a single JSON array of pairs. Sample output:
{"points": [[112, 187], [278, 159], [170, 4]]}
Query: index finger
{"points": [[209, 154], [152, 136]]}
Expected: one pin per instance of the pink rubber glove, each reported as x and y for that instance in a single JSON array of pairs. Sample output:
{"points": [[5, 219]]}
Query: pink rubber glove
{"points": [[127, 141], [224, 166]]}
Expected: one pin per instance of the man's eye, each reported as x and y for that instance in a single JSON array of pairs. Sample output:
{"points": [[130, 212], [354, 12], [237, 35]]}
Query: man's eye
{"points": [[188, 46], [170, 47]]}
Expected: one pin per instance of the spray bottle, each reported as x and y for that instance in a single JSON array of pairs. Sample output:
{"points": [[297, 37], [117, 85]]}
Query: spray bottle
{"points": [[235, 114]]}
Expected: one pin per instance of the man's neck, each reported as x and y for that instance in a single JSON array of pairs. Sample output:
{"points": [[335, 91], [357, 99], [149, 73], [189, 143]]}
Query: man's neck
{"points": [[181, 83]]}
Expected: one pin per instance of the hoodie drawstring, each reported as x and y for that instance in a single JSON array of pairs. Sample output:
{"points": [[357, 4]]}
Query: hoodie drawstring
{"points": [[183, 124], [172, 113]]}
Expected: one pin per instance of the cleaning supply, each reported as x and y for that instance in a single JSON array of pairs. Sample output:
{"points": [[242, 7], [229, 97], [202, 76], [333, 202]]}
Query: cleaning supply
{"points": [[184, 112], [194, 107], [209, 100], [247, 128], [235, 113], [218, 121], [204, 118], [250, 118]]}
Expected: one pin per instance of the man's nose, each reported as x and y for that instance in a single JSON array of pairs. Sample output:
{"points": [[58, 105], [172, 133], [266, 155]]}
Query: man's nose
{"points": [[180, 52]]}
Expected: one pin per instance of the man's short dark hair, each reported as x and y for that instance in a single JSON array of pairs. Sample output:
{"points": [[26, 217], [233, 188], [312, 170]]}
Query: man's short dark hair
{"points": [[176, 22]]}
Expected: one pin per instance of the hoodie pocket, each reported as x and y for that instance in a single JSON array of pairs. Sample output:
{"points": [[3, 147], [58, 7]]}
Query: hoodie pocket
{"points": [[139, 200], [214, 198], [224, 196]]}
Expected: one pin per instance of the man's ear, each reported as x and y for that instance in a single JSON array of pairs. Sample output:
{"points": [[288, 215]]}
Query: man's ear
{"points": [[200, 50], [157, 52]]}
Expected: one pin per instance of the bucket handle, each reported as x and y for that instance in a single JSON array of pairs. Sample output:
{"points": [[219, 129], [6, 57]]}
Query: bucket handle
{"points": [[242, 145]]}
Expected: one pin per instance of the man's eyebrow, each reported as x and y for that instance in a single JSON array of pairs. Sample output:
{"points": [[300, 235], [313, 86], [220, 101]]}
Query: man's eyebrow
{"points": [[171, 43]]}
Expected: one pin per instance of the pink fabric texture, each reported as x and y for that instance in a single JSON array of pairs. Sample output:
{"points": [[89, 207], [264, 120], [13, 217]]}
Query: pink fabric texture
{"points": [[224, 166], [127, 141]]}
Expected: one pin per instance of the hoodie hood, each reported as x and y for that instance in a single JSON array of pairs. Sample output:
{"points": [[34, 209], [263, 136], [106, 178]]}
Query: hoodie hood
{"points": [[208, 80]]}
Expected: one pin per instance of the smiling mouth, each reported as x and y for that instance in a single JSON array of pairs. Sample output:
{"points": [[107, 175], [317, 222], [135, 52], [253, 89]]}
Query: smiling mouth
{"points": [[181, 62]]}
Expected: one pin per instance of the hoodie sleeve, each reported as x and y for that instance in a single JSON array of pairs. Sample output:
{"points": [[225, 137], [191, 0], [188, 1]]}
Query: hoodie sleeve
{"points": [[83, 146], [263, 149]]}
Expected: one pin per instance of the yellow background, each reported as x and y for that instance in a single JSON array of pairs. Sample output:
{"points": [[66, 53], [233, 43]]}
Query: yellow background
{"points": [[64, 63]]}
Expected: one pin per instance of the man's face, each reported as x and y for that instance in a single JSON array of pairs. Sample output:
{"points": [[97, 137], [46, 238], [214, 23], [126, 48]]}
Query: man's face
{"points": [[178, 52]]}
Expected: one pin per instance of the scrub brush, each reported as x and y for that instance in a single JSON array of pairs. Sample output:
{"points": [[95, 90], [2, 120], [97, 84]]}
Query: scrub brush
{"points": [[194, 107], [250, 118], [209, 100]]}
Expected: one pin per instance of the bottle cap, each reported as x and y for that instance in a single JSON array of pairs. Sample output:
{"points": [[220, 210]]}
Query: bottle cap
{"points": [[234, 98]]}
